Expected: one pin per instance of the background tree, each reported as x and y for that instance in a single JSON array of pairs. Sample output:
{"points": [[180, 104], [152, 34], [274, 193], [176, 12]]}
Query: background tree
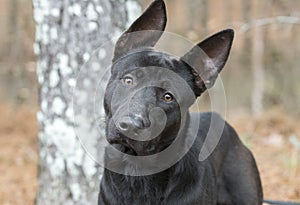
{"points": [[67, 32], [258, 49]]}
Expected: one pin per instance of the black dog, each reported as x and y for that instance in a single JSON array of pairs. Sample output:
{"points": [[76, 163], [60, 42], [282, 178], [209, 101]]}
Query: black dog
{"points": [[148, 95]]}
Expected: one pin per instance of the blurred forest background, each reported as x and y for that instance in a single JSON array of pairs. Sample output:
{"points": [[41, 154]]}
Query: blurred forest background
{"points": [[261, 81]]}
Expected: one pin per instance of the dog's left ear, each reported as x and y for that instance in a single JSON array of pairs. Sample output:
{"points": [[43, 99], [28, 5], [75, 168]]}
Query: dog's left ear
{"points": [[145, 31], [208, 58]]}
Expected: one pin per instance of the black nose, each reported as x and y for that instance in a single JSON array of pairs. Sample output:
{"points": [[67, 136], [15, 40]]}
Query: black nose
{"points": [[125, 124], [132, 123]]}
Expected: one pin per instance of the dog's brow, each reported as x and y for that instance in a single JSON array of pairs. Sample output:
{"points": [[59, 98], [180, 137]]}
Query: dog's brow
{"points": [[133, 70], [126, 71]]}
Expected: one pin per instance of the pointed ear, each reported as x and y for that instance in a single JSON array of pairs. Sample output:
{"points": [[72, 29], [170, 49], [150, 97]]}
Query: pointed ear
{"points": [[208, 58], [148, 27]]}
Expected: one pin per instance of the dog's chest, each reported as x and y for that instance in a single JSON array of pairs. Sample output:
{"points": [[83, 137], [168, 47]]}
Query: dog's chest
{"points": [[186, 188], [145, 190]]}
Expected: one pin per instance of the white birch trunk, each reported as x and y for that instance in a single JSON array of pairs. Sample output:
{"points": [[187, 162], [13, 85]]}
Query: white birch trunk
{"points": [[67, 32]]}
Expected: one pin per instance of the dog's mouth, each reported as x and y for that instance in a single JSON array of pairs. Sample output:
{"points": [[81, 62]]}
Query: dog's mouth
{"points": [[138, 150], [130, 151], [132, 147], [127, 149], [124, 148]]}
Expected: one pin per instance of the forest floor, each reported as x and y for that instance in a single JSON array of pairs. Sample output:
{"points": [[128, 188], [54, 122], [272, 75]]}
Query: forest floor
{"points": [[268, 137]]}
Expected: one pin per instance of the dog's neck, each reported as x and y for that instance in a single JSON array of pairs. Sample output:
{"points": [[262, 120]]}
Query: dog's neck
{"points": [[162, 184], [182, 172]]}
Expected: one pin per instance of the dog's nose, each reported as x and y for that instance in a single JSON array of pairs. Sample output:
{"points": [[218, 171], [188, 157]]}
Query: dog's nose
{"points": [[132, 123], [125, 124]]}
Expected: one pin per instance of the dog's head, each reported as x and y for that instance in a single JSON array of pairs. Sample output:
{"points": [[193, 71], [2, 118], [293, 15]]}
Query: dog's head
{"points": [[149, 91]]}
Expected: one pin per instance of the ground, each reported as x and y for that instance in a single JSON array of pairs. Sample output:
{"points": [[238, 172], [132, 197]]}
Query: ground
{"points": [[19, 155], [268, 137]]}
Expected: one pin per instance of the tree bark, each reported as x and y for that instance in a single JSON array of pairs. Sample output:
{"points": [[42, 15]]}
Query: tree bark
{"points": [[258, 50], [67, 32]]}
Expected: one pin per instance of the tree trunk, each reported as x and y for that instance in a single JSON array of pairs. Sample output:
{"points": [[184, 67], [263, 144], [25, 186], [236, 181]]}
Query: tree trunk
{"points": [[258, 49], [67, 32], [204, 6]]}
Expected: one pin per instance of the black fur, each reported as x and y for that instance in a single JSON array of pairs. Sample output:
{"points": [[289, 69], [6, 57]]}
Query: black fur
{"points": [[229, 176]]}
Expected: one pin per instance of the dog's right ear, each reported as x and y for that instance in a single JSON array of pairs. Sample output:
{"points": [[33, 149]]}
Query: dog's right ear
{"points": [[148, 29], [208, 58]]}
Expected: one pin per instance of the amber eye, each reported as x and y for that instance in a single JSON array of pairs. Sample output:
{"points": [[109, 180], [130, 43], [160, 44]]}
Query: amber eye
{"points": [[168, 97], [128, 80]]}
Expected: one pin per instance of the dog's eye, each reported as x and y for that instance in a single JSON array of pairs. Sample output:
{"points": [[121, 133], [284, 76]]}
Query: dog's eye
{"points": [[168, 97], [128, 80]]}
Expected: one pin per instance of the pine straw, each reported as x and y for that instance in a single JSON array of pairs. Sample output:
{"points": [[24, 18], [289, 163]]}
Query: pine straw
{"points": [[18, 159]]}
